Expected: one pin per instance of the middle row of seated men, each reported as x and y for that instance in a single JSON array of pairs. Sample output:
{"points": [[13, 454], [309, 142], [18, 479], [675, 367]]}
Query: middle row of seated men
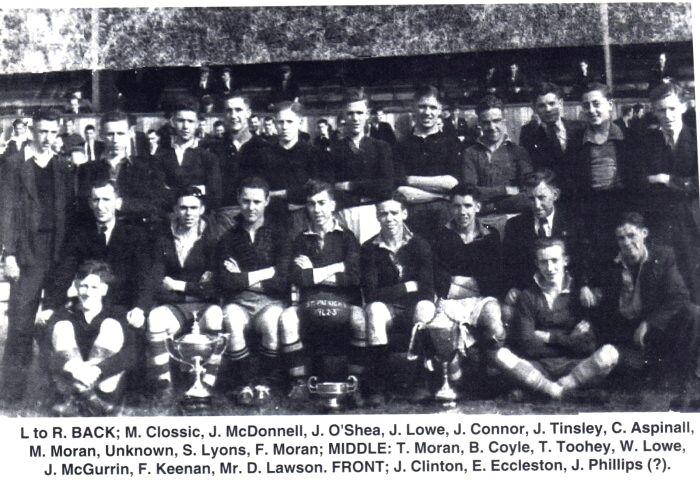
{"points": [[563, 335]]}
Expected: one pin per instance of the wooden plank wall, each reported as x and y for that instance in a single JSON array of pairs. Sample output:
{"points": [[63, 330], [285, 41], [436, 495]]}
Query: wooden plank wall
{"points": [[515, 116]]}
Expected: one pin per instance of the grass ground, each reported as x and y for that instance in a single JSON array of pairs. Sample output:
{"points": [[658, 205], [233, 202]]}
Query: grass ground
{"points": [[650, 398]]}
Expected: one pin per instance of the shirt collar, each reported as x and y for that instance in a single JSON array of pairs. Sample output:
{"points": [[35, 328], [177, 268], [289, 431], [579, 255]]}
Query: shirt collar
{"points": [[565, 285], [620, 260], [481, 229], [497, 145], [200, 228], [559, 124], [407, 236], [609, 131], [192, 144], [431, 136], [335, 228]]}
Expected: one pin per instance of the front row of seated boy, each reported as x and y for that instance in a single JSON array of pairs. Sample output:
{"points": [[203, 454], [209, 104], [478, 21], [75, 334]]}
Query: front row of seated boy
{"points": [[550, 337]]}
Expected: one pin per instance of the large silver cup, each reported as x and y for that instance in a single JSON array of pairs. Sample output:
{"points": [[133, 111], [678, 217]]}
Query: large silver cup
{"points": [[194, 350], [332, 392], [444, 338]]}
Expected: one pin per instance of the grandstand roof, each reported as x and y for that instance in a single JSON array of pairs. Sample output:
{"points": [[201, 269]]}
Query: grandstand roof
{"points": [[41, 40]]}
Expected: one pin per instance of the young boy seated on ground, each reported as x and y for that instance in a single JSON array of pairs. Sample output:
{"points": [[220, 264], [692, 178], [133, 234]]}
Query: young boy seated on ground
{"points": [[91, 348]]}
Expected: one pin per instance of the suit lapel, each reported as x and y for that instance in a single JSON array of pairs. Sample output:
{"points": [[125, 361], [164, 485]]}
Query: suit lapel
{"points": [[28, 178]]}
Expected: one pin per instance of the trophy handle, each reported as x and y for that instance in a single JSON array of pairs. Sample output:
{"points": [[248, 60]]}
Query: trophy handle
{"points": [[352, 383], [410, 355], [172, 350], [312, 384]]}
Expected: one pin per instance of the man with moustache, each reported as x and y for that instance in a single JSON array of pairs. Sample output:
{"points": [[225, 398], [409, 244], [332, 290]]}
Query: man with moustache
{"points": [[548, 141], [427, 164], [185, 163], [41, 195], [252, 275], [495, 164]]}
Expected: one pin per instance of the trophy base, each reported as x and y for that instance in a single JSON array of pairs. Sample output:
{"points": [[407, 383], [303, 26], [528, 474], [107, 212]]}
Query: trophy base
{"points": [[190, 406]]}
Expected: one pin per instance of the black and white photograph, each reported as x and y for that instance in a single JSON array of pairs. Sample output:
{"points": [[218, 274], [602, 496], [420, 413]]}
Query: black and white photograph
{"points": [[480, 209]]}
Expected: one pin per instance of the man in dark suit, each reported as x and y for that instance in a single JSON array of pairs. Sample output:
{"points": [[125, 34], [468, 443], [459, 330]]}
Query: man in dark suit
{"points": [[69, 136], [625, 119], [110, 240], [141, 189], [545, 219], [93, 147], [379, 129], [661, 72], [153, 142], [547, 141], [184, 163], [205, 84], [41, 194], [514, 84], [670, 182]]}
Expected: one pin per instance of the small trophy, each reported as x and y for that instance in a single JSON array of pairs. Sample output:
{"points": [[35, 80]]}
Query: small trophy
{"points": [[194, 350], [331, 392]]}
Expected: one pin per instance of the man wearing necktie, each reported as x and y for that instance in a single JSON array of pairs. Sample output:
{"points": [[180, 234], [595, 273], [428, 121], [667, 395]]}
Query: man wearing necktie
{"points": [[106, 239], [670, 182], [93, 147], [546, 141], [546, 219]]}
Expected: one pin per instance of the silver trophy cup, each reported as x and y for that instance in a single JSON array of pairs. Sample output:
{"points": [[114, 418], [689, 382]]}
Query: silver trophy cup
{"points": [[444, 340], [332, 392], [194, 350]]}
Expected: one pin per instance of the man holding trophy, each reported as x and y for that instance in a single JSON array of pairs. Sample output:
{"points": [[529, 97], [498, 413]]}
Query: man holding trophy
{"points": [[326, 268], [182, 283], [467, 281]]}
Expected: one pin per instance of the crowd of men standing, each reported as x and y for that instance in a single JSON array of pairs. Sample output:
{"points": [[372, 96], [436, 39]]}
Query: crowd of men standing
{"points": [[359, 242]]}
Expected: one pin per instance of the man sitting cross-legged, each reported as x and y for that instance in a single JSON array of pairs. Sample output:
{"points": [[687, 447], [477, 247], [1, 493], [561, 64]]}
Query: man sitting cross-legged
{"points": [[397, 282], [326, 267], [182, 283], [552, 333], [91, 348], [252, 267]]}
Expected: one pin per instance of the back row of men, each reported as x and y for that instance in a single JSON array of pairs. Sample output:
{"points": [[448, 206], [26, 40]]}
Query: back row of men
{"points": [[326, 200]]}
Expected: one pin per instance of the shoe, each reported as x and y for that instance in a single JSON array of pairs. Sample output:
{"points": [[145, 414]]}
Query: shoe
{"points": [[299, 391], [95, 406], [262, 394], [245, 396], [66, 408]]}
